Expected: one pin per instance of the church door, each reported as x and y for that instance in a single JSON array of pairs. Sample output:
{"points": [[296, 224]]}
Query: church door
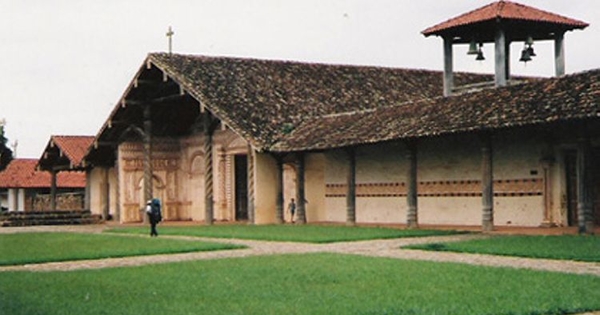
{"points": [[571, 172], [241, 188]]}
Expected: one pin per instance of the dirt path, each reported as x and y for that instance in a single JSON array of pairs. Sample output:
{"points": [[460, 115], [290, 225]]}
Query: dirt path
{"points": [[376, 248]]}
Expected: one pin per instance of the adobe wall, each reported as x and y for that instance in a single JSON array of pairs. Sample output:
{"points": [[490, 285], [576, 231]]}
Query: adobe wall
{"points": [[449, 181], [103, 183]]}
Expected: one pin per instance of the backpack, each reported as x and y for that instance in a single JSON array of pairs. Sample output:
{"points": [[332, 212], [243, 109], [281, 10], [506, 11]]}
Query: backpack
{"points": [[155, 208]]}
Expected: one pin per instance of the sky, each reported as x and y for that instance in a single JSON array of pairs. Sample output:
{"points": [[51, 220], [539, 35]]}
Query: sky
{"points": [[64, 64]]}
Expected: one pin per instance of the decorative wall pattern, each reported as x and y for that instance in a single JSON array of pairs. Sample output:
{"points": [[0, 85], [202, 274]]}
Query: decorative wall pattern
{"points": [[456, 188]]}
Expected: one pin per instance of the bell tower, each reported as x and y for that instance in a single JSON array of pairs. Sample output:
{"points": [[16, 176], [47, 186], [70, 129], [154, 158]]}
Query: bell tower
{"points": [[502, 23]]}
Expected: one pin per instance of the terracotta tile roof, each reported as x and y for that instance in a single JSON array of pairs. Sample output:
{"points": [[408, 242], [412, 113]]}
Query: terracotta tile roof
{"points": [[67, 151], [505, 10], [22, 173], [264, 100], [74, 147], [546, 101]]}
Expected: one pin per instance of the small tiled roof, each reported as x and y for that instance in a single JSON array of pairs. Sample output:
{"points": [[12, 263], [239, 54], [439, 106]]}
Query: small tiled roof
{"points": [[508, 11], [66, 151], [262, 100], [22, 173], [74, 147], [545, 101]]}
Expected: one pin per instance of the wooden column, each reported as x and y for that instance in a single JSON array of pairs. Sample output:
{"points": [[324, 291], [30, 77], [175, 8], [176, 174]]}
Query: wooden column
{"points": [[487, 183], [300, 197], [53, 174], [412, 221], [222, 199], [147, 158], [507, 60], [251, 175], [279, 190], [351, 186], [500, 57], [88, 182], [585, 201], [559, 53], [448, 66], [106, 197], [208, 170]]}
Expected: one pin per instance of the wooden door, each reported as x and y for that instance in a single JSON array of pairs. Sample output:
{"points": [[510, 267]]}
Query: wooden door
{"points": [[571, 174], [241, 188]]}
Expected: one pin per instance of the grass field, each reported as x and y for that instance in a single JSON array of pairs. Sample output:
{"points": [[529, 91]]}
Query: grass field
{"points": [[288, 233], [27, 248], [564, 247], [299, 284]]}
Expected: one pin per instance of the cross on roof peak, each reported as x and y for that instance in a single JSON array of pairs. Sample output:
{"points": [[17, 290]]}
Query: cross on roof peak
{"points": [[170, 34]]}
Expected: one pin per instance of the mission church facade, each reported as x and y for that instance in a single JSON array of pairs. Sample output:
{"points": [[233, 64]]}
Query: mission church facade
{"points": [[232, 139]]}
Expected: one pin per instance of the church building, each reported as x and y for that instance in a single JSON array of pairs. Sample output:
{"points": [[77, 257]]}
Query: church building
{"points": [[235, 139]]}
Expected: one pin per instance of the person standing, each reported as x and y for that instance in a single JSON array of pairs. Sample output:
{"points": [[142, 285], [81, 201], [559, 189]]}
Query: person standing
{"points": [[154, 215], [292, 208]]}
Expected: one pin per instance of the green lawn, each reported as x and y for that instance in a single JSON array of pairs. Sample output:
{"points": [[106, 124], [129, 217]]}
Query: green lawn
{"points": [[565, 247], [288, 233], [299, 284], [27, 248]]}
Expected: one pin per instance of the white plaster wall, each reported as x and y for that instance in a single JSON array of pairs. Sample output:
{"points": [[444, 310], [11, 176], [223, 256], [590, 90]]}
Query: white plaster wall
{"points": [[265, 178], [12, 200], [315, 187], [449, 210], [520, 211], [98, 187]]}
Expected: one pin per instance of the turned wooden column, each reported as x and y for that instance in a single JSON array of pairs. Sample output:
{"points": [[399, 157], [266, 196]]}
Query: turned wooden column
{"points": [[279, 190], [251, 175], [487, 183], [300, 196], [411, 187], [147, 143], [351, 188], [208, 170]]}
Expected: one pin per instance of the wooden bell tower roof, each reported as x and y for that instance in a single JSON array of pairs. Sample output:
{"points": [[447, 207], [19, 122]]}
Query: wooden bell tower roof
{"points": [[521, 20]]}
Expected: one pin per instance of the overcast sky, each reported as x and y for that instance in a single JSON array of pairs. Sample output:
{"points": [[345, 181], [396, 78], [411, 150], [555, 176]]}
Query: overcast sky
{"points": [[65, 63]]}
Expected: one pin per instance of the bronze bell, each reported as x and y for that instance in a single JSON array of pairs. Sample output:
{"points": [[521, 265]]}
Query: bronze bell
{"points": [[525, 56], [480, 56], [530, 51]]}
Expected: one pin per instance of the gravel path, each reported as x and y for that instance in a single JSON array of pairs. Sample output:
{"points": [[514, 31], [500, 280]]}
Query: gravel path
{"points": [[376, 248]]}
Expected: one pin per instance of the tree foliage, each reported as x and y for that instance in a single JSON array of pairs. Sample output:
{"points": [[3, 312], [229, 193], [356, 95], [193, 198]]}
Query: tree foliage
{"points": [[6, 154]]}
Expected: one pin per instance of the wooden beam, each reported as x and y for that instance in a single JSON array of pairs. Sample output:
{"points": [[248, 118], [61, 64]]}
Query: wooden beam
{"points": [[159, 100]]}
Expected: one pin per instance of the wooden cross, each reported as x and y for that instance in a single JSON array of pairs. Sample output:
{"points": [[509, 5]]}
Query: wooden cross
{"points": [[170, 34]]}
